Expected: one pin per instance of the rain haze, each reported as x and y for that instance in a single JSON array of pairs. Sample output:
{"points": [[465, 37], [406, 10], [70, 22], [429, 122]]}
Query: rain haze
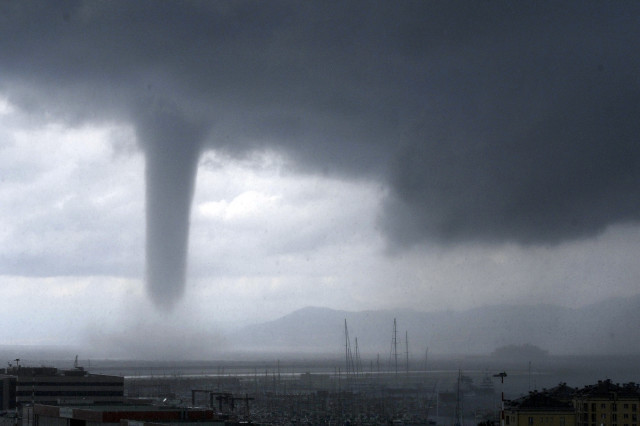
{"points": [[181, 168]]}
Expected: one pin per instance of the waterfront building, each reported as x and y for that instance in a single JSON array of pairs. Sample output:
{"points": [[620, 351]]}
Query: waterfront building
{"points": [[48, 385]]}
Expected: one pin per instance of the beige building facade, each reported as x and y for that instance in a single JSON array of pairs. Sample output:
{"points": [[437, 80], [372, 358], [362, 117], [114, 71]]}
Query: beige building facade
{"points": [[539, 409], [602, 404], [607, 404]]}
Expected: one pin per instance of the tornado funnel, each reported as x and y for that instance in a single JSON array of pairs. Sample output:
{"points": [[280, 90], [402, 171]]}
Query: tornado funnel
{"points": [[172, 147]]}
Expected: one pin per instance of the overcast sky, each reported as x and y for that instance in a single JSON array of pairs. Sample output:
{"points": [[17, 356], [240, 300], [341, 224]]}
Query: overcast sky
{"points": [[353, 155]]}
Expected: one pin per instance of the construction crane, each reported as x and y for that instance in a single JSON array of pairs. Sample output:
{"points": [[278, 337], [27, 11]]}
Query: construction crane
{"points": [[222, 397]]}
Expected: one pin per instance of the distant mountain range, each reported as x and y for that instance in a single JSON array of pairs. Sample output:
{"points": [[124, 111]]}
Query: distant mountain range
{"points": [[608, 327]]}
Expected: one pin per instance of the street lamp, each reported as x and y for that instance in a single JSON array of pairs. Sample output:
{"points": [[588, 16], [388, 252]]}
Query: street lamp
{"points": [[502, 376]]}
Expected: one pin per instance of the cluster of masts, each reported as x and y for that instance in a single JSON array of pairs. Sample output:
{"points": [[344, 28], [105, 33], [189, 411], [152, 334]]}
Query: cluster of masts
{"points": [[352, 361], [352, 356]]}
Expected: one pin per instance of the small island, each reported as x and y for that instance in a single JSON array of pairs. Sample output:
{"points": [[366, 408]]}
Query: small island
{"points": [[525, 352]]}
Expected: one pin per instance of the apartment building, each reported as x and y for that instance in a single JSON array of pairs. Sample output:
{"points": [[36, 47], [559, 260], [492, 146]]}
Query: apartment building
{"points": [[607, 404], [602, 404], [539, 409]]}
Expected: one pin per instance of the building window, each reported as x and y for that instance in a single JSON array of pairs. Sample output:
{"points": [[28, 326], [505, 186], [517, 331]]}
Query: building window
{"points": [[507, 420], [530, 420], [633, 407], [625, 415], [626, 406], [561, 421], [603, 416], [614, 417], [614, 406], [593, 417], [634, 417], [603, 405], [593, 406]]}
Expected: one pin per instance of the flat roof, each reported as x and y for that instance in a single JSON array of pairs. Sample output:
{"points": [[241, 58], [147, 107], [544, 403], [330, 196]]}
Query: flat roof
{"points": [[124, 407], [115, 413], [179, 423]]}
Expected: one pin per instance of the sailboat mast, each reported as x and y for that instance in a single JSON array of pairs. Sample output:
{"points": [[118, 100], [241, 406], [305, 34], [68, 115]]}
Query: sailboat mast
{"points": [[406, 345], [357, 367], [346, 346], [458, 421], [395, 345], [426, 359]]}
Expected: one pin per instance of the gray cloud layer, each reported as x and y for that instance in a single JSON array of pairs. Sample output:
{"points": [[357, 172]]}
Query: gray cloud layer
{"points": [[490, 121]]}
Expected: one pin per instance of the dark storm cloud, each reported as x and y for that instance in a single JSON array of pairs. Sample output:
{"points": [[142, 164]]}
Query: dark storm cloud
{"points": [[567, 173], [490, 121]]}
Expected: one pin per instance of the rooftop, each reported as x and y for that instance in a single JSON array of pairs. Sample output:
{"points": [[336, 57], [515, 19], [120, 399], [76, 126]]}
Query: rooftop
{"points": [[562, 392], [607, 389], [539, 400], [21, 371]]}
